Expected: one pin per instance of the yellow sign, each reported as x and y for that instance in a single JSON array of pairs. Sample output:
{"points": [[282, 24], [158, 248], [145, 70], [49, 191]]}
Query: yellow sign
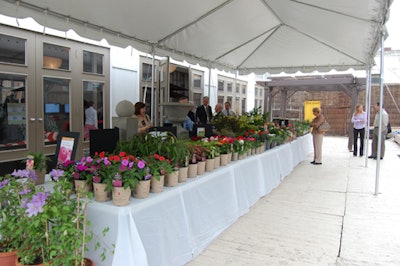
{"points": [[308, 106]]}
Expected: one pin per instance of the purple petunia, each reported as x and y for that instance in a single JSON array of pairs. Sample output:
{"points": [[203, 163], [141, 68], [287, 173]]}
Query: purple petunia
{"points": [[125, 162], [82, 167], [141, 164]]}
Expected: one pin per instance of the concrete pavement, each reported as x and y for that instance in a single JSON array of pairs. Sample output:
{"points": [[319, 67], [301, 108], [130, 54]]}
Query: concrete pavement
{"points": [[320, 215]]}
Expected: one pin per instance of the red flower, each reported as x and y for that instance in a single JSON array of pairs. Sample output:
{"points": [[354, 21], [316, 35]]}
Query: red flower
{"points": [[162, 158], [156, 156], [122, 154]]}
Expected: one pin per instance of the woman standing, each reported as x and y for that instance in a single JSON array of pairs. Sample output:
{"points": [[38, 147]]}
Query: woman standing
{"points": [[359, 119], [144, 122], [90, 119], [317, 135]]}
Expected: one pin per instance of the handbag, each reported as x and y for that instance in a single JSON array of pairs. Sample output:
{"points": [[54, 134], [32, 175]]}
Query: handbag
{"points": [[324, 126]]}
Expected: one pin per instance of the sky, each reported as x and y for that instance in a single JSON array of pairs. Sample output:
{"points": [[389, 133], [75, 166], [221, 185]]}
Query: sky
{"points": [[393, 40]]}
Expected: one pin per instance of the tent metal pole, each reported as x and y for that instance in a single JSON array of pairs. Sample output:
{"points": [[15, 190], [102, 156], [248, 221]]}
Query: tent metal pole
{"points": [[153, 108], [368, 111], [234, 92], [378, 153], [209, 80]]}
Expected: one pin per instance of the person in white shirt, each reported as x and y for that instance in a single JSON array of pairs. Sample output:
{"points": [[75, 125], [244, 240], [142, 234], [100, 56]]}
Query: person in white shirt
{"points": [[227, 111], [385, 121], [359, 120], [91, 119]]}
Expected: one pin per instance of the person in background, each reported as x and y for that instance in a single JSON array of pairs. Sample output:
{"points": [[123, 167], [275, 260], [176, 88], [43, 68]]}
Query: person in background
{"points": [[144, 122], [218, 111], [227, 111], [189, 123], [359, 119], [375, 134], [90, 119], [318, 136], [204, 112]]}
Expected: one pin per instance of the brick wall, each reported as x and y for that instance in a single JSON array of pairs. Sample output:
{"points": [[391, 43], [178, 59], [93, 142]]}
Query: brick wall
{"points": [[336, 106]]}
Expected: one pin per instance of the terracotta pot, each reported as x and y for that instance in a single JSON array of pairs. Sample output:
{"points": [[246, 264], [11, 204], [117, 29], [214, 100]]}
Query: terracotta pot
{"points": [[100, 194], [157, 186], [121, 196], [142, 189], [7, 258], [17, 263], [210, 165], [183, 174], [192, 172], [89, 262], [201, 167], [171, 179]]}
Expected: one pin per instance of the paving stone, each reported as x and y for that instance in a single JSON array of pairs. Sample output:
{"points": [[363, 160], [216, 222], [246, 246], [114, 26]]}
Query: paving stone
{"points": [[320, 215]]}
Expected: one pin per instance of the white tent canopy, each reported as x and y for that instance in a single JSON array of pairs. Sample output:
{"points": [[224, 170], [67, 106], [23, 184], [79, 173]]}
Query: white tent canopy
{"points": [[246, 35]]}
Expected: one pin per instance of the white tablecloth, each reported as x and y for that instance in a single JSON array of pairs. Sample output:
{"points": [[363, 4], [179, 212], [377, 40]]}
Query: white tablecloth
{"points": [[172, 227]]}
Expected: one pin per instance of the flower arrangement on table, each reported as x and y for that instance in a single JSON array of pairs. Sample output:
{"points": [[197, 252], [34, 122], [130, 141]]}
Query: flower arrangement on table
{"points": [[199, 150], [83, 170], [212, 149], [121, 170], [37, 223], [224, 144], [159, 165], [238, 145]]}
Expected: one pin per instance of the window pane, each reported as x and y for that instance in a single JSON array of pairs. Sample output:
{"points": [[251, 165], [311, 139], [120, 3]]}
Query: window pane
{"points": [[197, 98], [93, 103], [146, 72], [55, 56], [12, 112], [220, 85], [12, 49], [92, 62], [221, 99], [244, 89], [229, 87], [237, 88], [197, 81], [56, 108]]}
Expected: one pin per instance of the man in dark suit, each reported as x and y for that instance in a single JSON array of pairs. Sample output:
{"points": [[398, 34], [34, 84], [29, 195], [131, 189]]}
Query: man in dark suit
{"points": [[204, 112]]}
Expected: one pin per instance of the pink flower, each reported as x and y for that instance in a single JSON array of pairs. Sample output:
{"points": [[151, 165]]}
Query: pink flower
{"points": [[96, 179], [117, 183], [141, 164]]}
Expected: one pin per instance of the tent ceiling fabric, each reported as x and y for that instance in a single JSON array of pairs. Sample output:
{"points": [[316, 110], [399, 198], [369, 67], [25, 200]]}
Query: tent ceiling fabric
{"points": [[246, 35]]}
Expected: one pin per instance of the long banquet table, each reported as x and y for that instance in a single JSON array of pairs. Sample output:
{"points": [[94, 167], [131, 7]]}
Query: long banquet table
{"points": [[176, 225]]}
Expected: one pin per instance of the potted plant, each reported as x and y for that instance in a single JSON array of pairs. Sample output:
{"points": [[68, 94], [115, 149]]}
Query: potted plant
{"points": [[82, 173], [37, 161], [37, 223], [10, 185], [127, 172]]}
